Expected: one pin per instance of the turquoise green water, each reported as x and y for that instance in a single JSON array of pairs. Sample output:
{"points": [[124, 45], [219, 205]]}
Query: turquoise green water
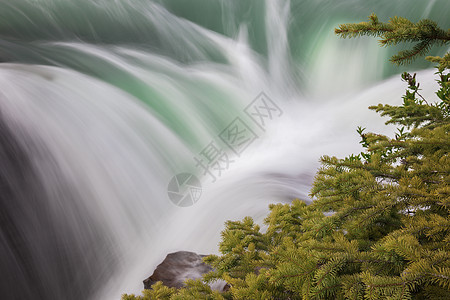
{"points": [[186, 33]]}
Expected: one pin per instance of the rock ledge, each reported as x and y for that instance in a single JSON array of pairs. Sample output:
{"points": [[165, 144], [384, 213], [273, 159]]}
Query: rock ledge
{"points": [[176, 268]]}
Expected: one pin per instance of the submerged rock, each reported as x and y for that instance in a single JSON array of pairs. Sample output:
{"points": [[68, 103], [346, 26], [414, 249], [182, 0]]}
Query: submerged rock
{"points": [[176, 268]]}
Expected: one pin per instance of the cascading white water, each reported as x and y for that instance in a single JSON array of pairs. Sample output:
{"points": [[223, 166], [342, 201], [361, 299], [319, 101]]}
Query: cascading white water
{"points": [[107, 122]]}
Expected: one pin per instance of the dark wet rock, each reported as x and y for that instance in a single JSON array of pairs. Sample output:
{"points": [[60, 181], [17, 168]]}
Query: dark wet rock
{"points": [[176, 268]]}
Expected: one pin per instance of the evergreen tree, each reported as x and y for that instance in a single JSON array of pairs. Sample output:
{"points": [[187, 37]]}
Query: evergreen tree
{"points": [[379, 225]]}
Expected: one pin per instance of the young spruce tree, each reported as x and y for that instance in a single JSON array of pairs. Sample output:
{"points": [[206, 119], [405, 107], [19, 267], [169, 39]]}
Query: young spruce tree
{"points": [[379, 225]]}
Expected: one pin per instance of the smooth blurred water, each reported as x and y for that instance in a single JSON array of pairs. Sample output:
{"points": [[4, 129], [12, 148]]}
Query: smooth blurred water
{"points": [[103, 102]]}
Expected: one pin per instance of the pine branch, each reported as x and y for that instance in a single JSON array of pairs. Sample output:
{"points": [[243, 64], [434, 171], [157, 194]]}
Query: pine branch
{"points": [[399, 30]]}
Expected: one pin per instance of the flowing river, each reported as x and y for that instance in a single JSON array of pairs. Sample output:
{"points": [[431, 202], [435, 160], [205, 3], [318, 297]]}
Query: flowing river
{"points": [[104, 102]]}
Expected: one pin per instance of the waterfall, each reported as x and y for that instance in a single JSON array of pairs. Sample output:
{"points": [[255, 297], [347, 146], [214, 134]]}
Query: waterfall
{"points": [[103, 103]]}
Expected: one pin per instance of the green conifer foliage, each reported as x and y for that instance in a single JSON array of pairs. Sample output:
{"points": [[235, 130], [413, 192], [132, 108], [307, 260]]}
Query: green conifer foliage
{"points": [[379, 225], [424, 33]]}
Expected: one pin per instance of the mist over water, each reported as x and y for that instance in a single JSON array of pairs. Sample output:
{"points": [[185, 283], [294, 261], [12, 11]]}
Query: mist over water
{"points": [[103, 102]]}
